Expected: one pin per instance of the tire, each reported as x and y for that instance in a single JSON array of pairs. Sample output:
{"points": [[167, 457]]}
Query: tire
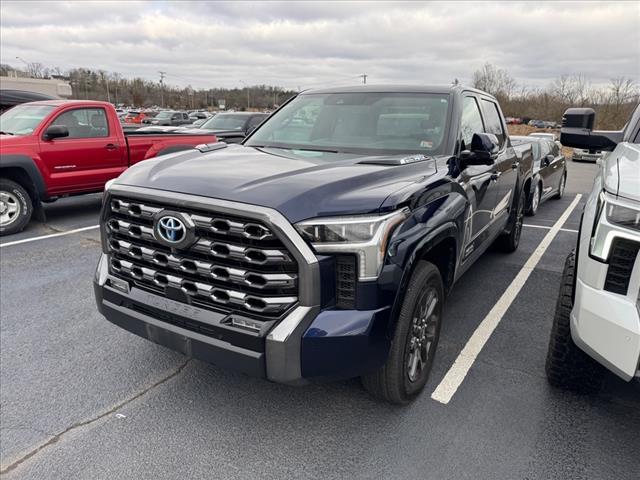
{"points": [[534, 203], [567, 366], [401, 379], [16, 207], [508, 242], [563, 182]]}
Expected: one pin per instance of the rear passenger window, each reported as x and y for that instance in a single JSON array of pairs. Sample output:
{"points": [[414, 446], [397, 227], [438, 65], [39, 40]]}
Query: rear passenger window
{"points": [[84, 123], [471, 121], [492, 119]]}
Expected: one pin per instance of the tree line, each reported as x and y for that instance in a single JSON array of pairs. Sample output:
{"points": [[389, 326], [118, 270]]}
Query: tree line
{"points": [[140, 93], [613, 102]]}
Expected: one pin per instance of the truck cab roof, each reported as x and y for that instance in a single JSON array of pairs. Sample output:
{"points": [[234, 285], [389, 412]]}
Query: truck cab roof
{"points": [[397, 88]]}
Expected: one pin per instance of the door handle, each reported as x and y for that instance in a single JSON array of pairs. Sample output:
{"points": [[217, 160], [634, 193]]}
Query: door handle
{"points": [[495, 176], [111, 146]]}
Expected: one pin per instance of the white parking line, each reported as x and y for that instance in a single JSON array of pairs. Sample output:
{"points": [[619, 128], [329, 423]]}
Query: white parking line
{"points": [[53, 235], [549, 228], [458, 371]]}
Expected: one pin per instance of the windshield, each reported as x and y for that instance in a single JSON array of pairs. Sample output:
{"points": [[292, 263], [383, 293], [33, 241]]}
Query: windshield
{"points": [[364, 123], [164, 115], [226, 121], [23, 119]]}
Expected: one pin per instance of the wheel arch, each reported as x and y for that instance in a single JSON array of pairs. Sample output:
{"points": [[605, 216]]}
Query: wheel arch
{"points": [[23, 170], [440, 247]]}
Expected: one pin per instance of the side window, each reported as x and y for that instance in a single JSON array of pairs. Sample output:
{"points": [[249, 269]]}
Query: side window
{"points": [[254, 122], [175, 116], [545, 149], [492, 118], [185, 116], [471, 121], [84, 123], [555, 150], [299, 125]]}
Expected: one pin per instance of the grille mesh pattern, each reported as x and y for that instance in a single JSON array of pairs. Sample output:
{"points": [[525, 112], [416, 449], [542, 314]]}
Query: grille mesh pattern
{"points": [[346, 281], [236, 264], [623, 256]]}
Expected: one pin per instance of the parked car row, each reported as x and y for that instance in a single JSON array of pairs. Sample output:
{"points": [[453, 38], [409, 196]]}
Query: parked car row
{"points": [[57, 148], [543, 124]]}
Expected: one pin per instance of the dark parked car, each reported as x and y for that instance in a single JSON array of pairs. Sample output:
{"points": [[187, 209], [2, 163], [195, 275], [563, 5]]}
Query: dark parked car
{"points": [[199, 115], [324, 246], [549, 170], [171, 118], [232, 127]]}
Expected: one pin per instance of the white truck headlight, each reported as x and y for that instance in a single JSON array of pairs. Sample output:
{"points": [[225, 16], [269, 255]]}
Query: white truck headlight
{"points": [[366, 236], [623, 216], [615, 218]]}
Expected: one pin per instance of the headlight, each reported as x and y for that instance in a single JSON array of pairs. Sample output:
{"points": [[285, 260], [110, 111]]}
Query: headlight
{"points": [[615, 218], [365, 236], [623, 216]]}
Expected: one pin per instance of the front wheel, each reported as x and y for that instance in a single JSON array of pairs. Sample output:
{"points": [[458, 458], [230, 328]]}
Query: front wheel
{"points": [[15, 207], [406, 371], [567, 366]]}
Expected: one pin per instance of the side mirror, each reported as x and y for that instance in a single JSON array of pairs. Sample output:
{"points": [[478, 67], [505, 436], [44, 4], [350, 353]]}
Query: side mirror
{"points": [[484, 150], [577, 131], [56, 131], [548, 159]]}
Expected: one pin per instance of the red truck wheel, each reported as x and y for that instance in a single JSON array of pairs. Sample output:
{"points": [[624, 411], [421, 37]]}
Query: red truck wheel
{"points": [[15, 207]]}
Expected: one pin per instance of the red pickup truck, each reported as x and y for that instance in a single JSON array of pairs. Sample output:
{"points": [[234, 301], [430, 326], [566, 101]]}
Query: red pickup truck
{"points": [[55, 148]]}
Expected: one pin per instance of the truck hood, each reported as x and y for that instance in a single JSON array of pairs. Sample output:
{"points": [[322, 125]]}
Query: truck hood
{"points": [[299, 184], [10, 144], [622, 171]]}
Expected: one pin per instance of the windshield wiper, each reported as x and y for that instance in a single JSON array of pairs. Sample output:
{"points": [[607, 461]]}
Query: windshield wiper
{"points": [[306, 149], [7, 133]]}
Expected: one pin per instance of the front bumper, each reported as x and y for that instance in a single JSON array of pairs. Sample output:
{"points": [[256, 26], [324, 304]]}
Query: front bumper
{"points": [[587, 157], [307, 345], [606, 325]]}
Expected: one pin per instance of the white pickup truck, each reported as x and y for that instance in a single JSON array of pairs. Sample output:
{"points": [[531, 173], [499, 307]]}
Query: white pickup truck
{"points": [[597, 318]]}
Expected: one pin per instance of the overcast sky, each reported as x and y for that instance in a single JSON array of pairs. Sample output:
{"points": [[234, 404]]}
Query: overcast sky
{"points": [[306, 44]]}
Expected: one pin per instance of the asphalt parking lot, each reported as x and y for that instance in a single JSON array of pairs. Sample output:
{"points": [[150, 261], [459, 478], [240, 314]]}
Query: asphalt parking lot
{"points": [[81, 398]]}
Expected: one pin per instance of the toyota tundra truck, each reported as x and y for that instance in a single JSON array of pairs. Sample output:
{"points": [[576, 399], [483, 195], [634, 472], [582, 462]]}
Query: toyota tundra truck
{"points": [[596, 326], [324, 245], [55, 148]]}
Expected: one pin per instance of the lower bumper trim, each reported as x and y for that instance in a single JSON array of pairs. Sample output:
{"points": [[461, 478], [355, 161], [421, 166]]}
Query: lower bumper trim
{"points": [[189, 343]]}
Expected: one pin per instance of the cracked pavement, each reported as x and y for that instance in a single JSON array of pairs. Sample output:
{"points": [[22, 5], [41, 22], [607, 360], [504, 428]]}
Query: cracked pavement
{"points": [[83, 399]]}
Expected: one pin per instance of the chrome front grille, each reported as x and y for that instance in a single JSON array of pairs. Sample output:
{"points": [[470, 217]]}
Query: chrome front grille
{"points": [[235, 265]]}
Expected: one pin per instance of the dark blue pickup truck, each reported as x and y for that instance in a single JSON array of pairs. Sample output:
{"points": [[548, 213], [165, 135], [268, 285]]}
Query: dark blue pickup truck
{"points": [[324, 245]]}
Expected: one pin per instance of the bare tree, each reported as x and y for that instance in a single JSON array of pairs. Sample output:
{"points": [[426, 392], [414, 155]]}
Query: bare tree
{"points": [[495, 81]]}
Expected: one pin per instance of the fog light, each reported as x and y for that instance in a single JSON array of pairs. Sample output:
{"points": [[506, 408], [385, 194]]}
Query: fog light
{"points": [[119, 284]]}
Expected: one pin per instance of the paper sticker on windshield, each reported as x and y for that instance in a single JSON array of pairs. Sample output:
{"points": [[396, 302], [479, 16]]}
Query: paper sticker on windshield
{"points": [[426, 144]]}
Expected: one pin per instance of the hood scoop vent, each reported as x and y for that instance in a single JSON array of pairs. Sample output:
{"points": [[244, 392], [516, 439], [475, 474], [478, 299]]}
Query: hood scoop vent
{"points": [[210, 147], [395, 160]]}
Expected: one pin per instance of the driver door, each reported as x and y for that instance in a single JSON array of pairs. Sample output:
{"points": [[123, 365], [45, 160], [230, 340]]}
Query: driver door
{"points": [[479, 181]]}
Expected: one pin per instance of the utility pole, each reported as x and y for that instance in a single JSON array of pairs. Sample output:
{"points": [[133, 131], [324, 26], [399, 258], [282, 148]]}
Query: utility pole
{"points": [[248, 91], [106, 79], [364, 77], [162, 75]]}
